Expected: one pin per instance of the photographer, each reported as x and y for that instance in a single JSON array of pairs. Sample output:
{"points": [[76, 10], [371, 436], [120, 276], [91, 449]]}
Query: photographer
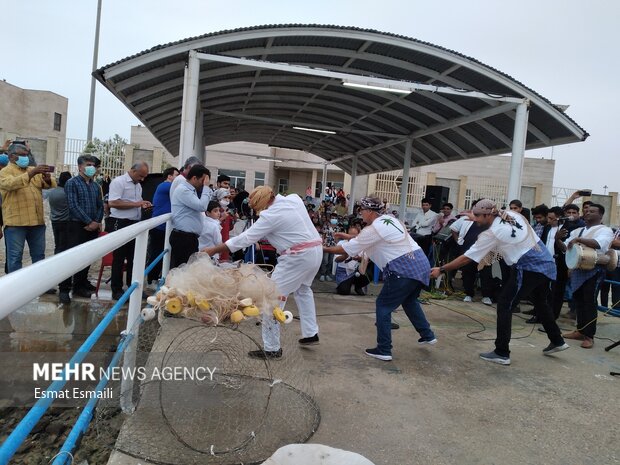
{"points": [[22, 205]]}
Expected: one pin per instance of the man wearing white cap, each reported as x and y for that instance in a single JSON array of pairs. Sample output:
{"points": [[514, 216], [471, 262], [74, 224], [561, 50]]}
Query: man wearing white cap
{"points": [[532, 269], [285, 223]]}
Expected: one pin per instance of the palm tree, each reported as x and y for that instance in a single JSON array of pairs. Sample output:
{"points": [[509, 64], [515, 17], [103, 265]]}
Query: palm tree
{"points": [[391, 222]]}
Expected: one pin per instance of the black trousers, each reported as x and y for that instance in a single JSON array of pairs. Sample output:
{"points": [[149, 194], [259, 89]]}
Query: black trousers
{"points": [[538, 287], [183, 245], [76, 235], [425, 243], [584, 300], [156, 246], [559, 286], [469, 273], [120, 255]]}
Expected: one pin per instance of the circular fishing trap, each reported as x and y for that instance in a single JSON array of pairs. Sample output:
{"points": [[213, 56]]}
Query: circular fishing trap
{"points": [[204, 401]]}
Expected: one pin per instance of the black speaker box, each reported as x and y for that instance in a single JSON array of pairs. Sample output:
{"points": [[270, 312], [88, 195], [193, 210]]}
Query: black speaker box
{"points": [[437, 196]]}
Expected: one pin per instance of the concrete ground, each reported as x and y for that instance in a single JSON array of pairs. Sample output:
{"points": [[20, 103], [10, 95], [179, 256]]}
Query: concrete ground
{"points": [[444, 405]]}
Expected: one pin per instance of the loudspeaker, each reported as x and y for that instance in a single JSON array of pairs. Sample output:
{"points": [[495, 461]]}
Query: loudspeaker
{"points": [[437, 196]]}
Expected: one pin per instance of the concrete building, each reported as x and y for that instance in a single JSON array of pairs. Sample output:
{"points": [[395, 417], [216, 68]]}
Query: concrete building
{"points": [[38, 116]]}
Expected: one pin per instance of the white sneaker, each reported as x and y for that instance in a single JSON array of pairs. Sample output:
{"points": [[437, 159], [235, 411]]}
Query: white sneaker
{"points": [[487, 301], [467, 299], [322, 278], [329, 278]]}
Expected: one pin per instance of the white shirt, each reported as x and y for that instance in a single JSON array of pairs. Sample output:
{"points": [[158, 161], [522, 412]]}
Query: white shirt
{"points": [[378, 249], [499, 236], [349, 266], [284, 224], [551, 240], [187, 208], [424, 222], [600, 233], [461, 226], [211, 233], [123, 188]]}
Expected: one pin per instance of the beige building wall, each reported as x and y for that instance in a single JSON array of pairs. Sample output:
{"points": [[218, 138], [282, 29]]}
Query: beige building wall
{"points": [[30, 114]]}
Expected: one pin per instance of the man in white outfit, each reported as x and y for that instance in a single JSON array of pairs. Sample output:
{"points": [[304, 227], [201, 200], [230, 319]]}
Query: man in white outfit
{"points": [[285, 223]]}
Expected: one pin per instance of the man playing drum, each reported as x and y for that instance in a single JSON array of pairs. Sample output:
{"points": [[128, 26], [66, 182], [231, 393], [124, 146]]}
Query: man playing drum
{"points": [[584, 283], [531, 271]]}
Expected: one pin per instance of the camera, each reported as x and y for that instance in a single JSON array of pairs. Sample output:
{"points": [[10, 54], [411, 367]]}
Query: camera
{"points": [[585, 192]]}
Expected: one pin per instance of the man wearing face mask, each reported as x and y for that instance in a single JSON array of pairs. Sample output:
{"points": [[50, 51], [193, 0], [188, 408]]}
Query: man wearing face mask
{"points": [[4, 160], [222, 195], [22, 206], [85, 200]]}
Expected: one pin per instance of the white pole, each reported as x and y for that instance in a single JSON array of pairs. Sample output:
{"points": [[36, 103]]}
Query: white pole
{"points": [[353, 179], [323, 183], [518, 152], [93, 81], [165, 267], [199, 145], [404, 188], [133, 313], [190, 104]]}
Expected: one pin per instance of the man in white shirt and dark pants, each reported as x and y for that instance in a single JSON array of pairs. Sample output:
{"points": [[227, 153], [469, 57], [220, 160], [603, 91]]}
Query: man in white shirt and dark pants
{"points": [[126, 204], [285, 223], [584, 283], [187, 214], [423, 225], [532, 269]]}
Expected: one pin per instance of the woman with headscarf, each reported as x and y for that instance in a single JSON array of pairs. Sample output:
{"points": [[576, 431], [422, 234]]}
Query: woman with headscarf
{"points": [[284, 222], [405, 271], [532, 269]]}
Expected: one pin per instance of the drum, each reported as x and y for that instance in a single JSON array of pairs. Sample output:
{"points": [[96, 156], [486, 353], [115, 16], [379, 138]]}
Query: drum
{"points": [[585, 258], [580, 257]]}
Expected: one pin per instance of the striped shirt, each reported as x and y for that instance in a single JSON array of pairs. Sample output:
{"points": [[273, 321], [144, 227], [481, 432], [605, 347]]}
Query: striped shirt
{"points": [[22, 200], [85, 200]]}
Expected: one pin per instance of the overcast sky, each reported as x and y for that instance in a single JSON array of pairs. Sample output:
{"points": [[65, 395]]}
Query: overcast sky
{"points": [[566, 50]]}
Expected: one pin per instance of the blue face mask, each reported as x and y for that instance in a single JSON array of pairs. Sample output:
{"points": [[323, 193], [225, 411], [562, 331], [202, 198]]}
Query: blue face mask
{"points": [[4, 159], [90, 171], [333, 221], [22, 161]]}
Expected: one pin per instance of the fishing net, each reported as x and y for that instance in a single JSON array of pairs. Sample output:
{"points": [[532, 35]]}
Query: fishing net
{"points": [[201, 399]]}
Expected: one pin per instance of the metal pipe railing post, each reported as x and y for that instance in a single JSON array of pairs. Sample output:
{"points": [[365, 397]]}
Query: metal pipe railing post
{"points": [[133, 313], [165, 268]]}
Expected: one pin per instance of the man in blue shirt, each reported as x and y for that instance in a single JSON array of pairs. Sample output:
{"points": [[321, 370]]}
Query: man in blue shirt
{"points": [[85, 201], [187, 213], [161, 206]]}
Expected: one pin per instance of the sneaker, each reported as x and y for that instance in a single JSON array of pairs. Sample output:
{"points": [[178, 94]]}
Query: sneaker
{"points": [[64, 298], [552, 348], [468, 299], [430, 341], [376, 354], [329, 278], [322, 278], [263, 355], [493, 357], [487, 301], [532, 321], [393, 325], [309, 341], [82, 293]]}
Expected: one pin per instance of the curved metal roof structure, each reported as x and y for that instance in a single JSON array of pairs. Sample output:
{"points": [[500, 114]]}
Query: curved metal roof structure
{"points": [[258, 84]]}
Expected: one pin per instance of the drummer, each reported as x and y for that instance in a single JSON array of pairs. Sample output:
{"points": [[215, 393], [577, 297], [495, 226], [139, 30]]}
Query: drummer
{"points": [[531, 271], [584, 283]]}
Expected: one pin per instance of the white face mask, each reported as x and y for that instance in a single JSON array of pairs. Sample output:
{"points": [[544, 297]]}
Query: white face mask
{"points": [[224, 203]]}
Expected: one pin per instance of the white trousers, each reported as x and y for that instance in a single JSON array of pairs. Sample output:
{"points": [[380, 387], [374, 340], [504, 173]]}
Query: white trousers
{"points": [[294, 274]]}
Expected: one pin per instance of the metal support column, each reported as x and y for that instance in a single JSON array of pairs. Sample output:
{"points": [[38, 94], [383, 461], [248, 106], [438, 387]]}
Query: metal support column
{"points": [[518, 152], [353, 179], [323, 183], [199, 143], [404, 187], [93, 81], [190, 105]]}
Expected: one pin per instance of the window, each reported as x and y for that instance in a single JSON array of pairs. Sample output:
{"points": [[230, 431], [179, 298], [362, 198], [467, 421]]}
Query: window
{"points": [[237, 178], [57, 121], [282, 186], [259, 179]]}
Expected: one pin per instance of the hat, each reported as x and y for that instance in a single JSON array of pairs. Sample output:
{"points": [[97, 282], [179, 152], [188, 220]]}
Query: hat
{"points": [[221, 193], [484, 206], [372, 203]]}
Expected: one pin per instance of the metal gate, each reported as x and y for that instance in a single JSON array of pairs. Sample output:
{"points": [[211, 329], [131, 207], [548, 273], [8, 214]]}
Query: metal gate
{"points": [[110, 152]]}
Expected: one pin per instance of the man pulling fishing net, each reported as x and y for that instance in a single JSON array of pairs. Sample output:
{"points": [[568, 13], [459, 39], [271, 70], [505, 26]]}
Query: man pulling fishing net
{"points": [[284, 222]]}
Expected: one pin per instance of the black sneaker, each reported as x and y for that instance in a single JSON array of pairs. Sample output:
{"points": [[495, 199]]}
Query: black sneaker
{"points": [[376, 354], [262, 354], [493, 357], [552, 348], [82, 293], [309, 341], [64, 298]]}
